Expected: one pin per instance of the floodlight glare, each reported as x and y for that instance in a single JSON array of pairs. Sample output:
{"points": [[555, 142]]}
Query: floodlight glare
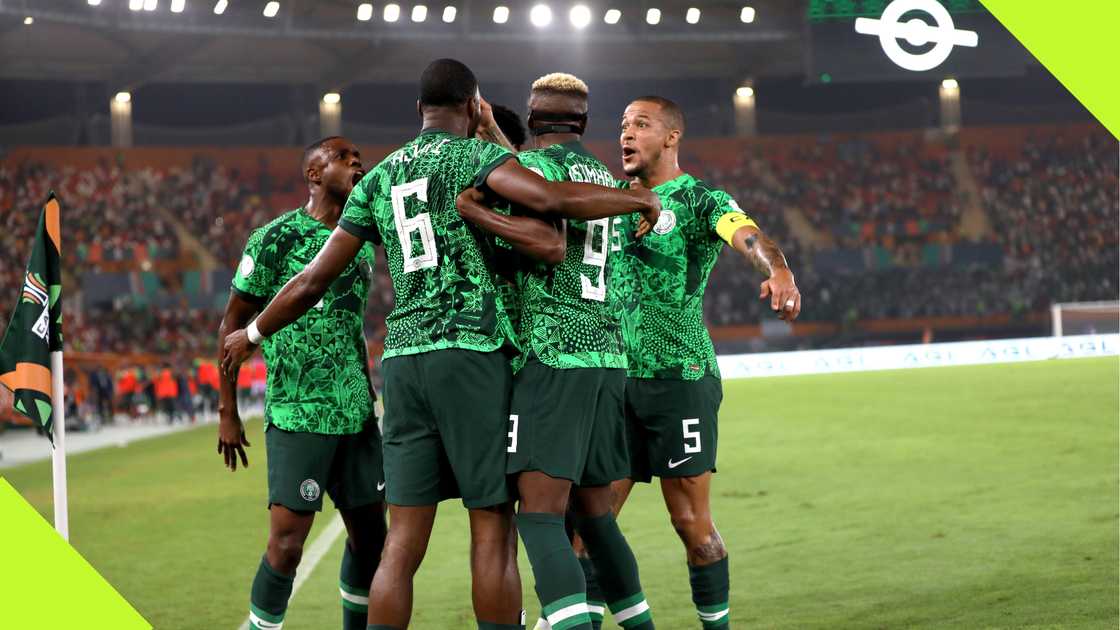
{"points": [[746, 16], [177, 6], [122, 97], [220, 7], [653, 17], [612, 16], [28, 21], [693, 15], [419, 13], [580, 16], [950, 84], [501, 14], [392, 13], [150, 5], [135, 5], [745, 92], [365, 12], [449, 14], [271, 9], [540, 15], [93, 3], [332, 98]]}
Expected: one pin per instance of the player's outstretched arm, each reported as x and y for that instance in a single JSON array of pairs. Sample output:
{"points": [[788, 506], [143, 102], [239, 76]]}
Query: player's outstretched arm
{"points": [[764, 254], [572, 200], [297, 297], [528, 235], [231, 432]]}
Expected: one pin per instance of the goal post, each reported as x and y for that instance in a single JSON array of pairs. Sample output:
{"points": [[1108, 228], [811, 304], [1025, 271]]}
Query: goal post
{"points": [[1084, 318]]}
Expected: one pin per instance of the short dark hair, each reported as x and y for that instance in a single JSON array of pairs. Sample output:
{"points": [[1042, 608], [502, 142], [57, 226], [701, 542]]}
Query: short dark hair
{"points": [[510, 124], [309, 151], [447, 82], [674, 116]]}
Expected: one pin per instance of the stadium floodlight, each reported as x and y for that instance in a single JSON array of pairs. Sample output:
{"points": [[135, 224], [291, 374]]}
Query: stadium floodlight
{"points": [[365, 12], [744, 92], [419, 13], [501, 14], [122, 97], [540, 15], [653, 17], [151, 5], [449, 14], [746, 16], [93, 3], [612, 16], [950, 85], [693, 15], [135, 5], [220, 7], [271, 9], [28, 21], [332, 98], [580, 16], [391, 13], [177, 6]]}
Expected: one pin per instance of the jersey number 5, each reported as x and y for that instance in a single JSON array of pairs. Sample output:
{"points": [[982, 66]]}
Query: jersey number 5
{"points": [[421, 223]]}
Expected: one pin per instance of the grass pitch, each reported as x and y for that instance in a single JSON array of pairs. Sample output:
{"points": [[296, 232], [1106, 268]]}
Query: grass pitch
{"points": [[977, 497]]}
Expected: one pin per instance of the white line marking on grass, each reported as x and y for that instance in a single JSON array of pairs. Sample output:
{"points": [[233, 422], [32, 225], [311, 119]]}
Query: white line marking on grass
{"points": [[314, 554]]}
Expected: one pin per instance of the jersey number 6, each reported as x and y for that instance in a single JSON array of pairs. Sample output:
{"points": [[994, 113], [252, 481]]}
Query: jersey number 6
{"points": [[421, 223]]}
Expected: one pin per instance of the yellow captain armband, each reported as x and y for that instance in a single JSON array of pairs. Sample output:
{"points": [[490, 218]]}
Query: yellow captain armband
{"points": [[730, 223]]}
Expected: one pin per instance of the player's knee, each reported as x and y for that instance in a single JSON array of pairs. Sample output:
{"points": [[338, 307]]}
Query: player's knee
{"points": [[694, 529], [285, 552]]}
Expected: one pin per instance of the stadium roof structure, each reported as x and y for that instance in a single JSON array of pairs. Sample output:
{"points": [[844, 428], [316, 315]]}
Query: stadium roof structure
{"points": [[322, 42]]}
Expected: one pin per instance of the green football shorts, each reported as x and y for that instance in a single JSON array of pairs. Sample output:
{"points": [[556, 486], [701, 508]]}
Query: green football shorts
{"points": [[568, 424], [301, 465], [671, 426], [445, 427]]}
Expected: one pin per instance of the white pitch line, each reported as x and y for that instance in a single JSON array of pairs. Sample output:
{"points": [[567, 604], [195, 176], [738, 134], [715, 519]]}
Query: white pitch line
{"points": [[314, 554]]}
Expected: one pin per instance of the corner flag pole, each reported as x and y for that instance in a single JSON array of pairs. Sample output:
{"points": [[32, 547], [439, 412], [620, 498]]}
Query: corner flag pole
{"points": [[58, 454]]}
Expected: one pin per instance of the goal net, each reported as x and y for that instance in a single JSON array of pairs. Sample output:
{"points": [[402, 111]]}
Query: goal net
{"points": [[1085, 318]]}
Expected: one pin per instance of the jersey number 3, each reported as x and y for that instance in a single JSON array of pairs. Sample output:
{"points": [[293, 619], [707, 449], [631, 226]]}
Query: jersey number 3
{"points": [[421, 223]]}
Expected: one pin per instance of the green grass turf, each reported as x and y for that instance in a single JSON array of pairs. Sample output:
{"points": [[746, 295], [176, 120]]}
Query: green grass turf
{"points": [[978, 497]]}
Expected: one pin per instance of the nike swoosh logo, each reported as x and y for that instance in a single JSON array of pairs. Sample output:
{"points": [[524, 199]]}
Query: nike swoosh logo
{"points": [[380, 486], [673, 464]]}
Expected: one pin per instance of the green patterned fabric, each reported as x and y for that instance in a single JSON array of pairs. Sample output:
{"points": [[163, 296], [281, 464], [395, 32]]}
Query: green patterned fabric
{"points": [[659, 282], [445, 290], [566, 320], [317, 379]]}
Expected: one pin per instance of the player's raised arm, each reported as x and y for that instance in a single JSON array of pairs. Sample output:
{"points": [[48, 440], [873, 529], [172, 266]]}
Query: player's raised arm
{"points": [[528, 235], [231, 432], [297, 297], [523, 187], [768, 259]]}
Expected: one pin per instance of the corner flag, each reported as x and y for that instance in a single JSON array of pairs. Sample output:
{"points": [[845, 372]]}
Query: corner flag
{"points": [[31, 352]]}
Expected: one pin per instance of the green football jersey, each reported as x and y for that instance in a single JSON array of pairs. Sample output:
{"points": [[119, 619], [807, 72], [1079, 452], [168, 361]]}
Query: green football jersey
{"points": [[660, 280], [317, 381], [445, 290], [566, 319]]}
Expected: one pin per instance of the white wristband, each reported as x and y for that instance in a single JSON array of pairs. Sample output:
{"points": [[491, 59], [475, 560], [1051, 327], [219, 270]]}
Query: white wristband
{"points": [[254, 334]]}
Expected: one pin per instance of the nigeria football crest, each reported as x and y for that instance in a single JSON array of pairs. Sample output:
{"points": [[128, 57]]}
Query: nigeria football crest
{"points": [[309, 490]]}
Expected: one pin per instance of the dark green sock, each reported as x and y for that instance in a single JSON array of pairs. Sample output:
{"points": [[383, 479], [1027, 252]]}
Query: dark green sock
{"points": [[617, 571], [268, 601], [596, 601], [486, 625], [354, 579], [558, 577], [711, 588]]}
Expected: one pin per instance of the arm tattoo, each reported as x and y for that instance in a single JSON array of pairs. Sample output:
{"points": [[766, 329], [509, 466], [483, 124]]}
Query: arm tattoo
{"points": [[764, 254]]}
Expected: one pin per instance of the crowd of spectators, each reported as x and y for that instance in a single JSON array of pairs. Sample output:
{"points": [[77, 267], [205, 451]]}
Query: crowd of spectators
{"points": [[1052, 204]]}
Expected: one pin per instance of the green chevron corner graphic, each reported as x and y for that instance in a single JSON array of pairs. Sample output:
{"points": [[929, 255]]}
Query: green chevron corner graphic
{"points": [[1077, 43], [45, 583]]}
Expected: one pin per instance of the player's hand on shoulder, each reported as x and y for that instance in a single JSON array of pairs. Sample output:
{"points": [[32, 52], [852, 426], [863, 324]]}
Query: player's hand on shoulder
{"points": [[650, 206], [785, 298], [236, 349], [231, 438]]}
